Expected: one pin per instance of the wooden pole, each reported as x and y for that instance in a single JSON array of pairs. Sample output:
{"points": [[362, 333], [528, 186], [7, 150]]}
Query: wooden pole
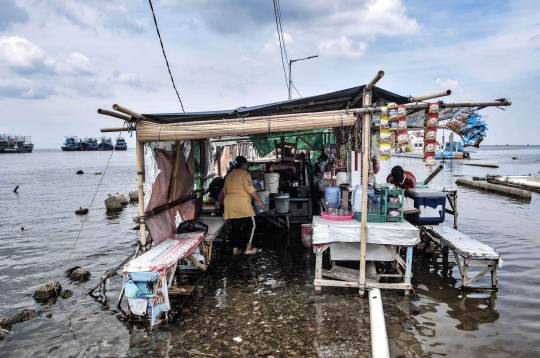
{"points": [[172, 188], [129, 112], [430, 96], [114, 114], [140, 183], [116, 129], [366, 142], [432, 175]]}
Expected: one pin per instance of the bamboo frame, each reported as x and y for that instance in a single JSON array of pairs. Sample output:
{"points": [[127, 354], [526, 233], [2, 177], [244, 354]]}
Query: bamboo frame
{"points": [[140, 187]]}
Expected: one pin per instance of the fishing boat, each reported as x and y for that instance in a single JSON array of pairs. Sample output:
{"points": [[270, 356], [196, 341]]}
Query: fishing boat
{"points": [[120, 144], [89, 144], [71, 144], [106, 144], [15, 144]]}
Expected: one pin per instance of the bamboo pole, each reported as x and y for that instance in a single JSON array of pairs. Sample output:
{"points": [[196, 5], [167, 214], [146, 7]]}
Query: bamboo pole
{"points": [[172, 204], [172, 190], [116, 129], [114, 114], [432, 175], [140, 184], [430, 96], [366, 136], [127, 111]]}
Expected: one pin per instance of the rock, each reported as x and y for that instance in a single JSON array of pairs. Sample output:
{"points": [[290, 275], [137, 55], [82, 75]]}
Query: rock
{"points": [[112, 203], [79, 274], [134, 195], [514, 158], [122, 198], [81, 211], [48, 315], [79, 172], [97, 173], [48, 291], [5, 323], [66, 294], [25, 314]]}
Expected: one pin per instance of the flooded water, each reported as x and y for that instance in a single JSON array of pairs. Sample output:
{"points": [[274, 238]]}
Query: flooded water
{"points": [[267, 301]]}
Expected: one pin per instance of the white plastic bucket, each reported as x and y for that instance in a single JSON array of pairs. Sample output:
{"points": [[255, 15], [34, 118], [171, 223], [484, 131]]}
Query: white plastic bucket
{"points": [[271, 182], [265, 197], [342, 178], [281, 203]]}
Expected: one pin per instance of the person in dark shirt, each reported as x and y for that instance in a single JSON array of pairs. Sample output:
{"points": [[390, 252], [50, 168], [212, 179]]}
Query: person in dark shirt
{"points": [[401, 178]]}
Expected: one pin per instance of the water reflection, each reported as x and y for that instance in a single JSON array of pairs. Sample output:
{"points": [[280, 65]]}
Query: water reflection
{"points": [[470, 309]]}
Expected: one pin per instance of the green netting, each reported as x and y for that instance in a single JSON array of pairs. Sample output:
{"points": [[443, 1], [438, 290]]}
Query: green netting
{"points": [[265, 142]]}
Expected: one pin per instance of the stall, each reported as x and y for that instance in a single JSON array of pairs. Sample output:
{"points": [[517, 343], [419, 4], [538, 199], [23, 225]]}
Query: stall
{"points": [[302, 134]]}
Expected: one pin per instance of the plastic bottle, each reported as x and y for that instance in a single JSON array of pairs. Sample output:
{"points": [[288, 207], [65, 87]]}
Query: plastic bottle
{"points": [[371, 199]]}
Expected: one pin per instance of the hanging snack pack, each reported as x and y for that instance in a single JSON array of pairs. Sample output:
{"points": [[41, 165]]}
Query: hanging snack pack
{"points": [[403, 134], [430, 133], [392, 111], [469, 126], [385, 134]]}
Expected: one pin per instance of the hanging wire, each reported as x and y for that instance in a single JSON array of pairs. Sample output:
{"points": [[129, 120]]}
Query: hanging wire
{"points": [[164, 55], [283, 51]]}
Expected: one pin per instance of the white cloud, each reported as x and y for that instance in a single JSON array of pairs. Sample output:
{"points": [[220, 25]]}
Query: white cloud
{"points": [[24, 88], [77, 64], [129, 79], [23, 56], [448, 84], [343, 47]]}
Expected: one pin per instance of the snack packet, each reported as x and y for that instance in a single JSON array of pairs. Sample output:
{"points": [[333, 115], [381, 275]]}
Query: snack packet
{"points": [[434, 107], [386, 135], [432, 120], [429, 159], [431, 133], [385, 151], [430, 146]]}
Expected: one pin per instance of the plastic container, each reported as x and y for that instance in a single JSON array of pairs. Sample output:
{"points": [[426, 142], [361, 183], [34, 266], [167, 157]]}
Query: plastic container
{"points": [[281, 203], [342, 178], [432, 205], [306, 235], [258, 184], [379, 217], [265, 197], [336, 218], [271, 182], [356, 199], [333, 196], [393, 209]]}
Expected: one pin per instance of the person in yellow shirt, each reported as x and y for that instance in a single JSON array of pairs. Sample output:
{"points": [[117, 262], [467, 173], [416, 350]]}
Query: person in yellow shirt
{"points": [[239, 191]]}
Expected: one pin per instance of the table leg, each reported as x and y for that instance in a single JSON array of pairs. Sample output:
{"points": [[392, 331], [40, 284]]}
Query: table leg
{"points": [[408, 268], [288, 224], [318, 267]]}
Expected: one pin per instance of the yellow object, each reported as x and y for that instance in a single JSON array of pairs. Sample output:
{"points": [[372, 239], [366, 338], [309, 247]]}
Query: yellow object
{"points": [[237, 190]]}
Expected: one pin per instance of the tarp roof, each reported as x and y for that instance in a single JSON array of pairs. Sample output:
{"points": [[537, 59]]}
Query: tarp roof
{"points": [[339, 100]]}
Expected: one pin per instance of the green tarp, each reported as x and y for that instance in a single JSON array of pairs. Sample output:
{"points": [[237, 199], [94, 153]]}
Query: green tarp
{"points": [[265, 142]]}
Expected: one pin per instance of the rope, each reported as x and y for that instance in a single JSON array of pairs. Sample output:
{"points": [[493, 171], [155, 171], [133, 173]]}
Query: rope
{"points": [[164, 55], [283, 51], [91, 203]]}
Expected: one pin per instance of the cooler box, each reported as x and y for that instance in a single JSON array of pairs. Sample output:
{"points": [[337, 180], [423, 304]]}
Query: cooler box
{"points": [[431, 203]]}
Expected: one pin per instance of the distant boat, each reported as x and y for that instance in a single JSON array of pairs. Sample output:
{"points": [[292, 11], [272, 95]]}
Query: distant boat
{"points": [[71, 144], [89, 144], [106, 144], [120, 144], [15, 144]]}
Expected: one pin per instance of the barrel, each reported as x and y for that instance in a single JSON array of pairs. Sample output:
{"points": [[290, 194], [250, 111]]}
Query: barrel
{"points": [[281, 203], [265, 197], [271, 182]]}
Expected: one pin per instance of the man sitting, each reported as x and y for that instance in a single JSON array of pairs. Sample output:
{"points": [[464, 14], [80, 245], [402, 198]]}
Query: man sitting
{"points": [[401, 178]]}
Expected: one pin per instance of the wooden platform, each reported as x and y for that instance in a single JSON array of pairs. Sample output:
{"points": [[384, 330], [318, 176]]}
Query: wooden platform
{"points": [[467, 252]]}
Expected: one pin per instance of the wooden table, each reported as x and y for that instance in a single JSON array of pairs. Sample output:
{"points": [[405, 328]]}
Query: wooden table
{"points": [[280, 220], [383, 243]]}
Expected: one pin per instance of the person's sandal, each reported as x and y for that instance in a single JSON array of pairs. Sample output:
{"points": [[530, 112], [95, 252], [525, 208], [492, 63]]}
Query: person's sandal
{"points": [[253, 252]]}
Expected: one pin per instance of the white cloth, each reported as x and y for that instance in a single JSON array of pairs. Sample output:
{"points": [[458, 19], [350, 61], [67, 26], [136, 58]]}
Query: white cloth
{"points": [[390, 233]]}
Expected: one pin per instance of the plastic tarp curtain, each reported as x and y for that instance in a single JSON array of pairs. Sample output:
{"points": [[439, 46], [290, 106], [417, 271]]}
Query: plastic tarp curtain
{"points": [[163, 224], [266, 145]]}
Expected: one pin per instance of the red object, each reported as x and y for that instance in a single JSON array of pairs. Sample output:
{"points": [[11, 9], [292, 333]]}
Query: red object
{"points": [[336, 218]]}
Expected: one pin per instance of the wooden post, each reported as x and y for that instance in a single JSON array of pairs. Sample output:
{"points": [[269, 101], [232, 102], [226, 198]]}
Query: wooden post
{"points": [[172, 188], [140, 184], [366, 141]]}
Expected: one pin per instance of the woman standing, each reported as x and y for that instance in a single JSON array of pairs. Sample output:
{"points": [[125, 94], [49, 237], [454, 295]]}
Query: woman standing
{"points": [[238, 191]]}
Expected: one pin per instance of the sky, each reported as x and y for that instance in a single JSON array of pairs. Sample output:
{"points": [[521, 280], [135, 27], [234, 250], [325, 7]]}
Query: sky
{"points": [[62, 60]]}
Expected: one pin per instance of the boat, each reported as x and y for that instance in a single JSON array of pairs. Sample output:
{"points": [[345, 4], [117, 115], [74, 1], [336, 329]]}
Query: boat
{"points": [[71, 144], [89, 144], [15, 144], [106, 144], [120, 144]]}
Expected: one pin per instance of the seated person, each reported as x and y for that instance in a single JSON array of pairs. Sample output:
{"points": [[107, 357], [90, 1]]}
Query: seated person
{"points": [[401, 178]]}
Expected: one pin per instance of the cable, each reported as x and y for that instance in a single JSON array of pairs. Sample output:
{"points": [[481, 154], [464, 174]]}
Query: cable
{"points": [[292, 84], [280, 34], [164, 55]]}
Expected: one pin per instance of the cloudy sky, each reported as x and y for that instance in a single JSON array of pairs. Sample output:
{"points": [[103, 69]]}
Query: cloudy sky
{"points": [[62, 60]]}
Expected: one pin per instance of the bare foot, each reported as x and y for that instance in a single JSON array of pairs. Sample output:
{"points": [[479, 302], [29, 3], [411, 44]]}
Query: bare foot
{"points": [[236, 251], [252, 252]]}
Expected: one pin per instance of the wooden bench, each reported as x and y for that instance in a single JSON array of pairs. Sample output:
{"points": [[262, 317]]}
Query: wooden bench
{"points": [[467, 252]]}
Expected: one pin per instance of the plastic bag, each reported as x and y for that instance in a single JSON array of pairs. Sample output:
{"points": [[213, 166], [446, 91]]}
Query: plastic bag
{"points": [[191, 226]]}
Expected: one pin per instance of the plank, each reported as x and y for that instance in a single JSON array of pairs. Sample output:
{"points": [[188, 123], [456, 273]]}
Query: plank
{"points": [[181, 290], [464, 245]]}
